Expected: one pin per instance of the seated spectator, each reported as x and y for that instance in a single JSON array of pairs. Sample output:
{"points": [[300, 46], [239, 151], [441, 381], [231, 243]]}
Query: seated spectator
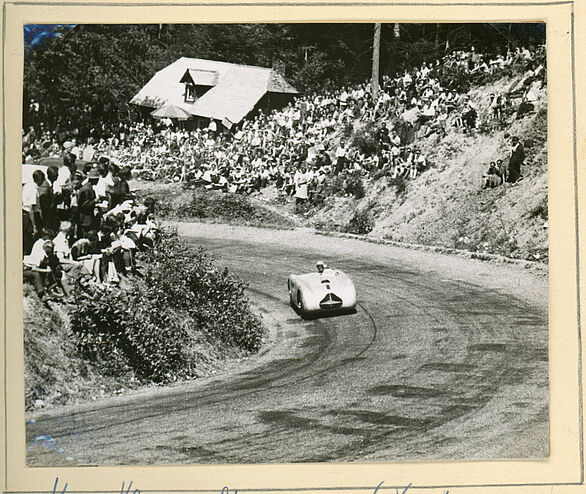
{"points": [[469, 116], [502, 168], [41, 268], [492, 177]]}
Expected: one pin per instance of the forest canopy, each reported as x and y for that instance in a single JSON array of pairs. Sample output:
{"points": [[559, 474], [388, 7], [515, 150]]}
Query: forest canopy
{"points": [[77, 73]]}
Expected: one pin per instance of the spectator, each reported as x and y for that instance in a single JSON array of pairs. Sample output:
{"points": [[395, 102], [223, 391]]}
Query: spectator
{"points": [[492, 177], [46, 212], [42, 270], [341, 159], [516, 160], [86, 203]]}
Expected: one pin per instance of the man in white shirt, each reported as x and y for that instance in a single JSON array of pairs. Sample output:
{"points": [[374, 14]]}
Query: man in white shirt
{"points": [[341, 156], [29, 201], [37, 269]]}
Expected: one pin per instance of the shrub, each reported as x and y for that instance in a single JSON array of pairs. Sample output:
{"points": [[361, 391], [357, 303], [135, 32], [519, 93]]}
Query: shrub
{"points": [[361, 223], [355, 187], [153, 325], [326, 225], [364, 140], [540, 210], [230, 208]]}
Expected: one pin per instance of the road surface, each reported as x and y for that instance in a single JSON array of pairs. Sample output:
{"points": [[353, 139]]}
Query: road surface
{"points": [[446, 358]]}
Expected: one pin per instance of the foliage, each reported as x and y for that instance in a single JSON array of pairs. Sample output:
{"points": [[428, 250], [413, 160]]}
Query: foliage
{"points": [[86, 78], [344, 185], [361, 222], [210, 204], [154, 326], [230, 208], [354, 186], [203, 204], [364, 140]]}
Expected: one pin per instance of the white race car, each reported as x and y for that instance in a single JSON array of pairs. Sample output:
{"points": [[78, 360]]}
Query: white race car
{"points": [[326, 292]]}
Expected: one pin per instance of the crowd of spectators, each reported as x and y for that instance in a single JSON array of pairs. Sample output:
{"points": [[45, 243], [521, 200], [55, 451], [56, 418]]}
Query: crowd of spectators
{"points": [[82, 223], [343, 136]]}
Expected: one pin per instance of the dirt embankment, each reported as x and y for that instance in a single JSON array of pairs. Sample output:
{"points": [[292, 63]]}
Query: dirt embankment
{"points": [[446, 206]]}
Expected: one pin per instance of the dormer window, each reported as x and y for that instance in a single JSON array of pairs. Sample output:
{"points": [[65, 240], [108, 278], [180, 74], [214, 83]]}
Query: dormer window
{"points": [[197, 83]]}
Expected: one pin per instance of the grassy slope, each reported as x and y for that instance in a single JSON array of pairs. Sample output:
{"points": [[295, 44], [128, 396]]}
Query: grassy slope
{"points": [[55, 374], [446, 206]]}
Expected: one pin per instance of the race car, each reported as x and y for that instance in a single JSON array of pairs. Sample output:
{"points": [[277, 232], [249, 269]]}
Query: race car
{"points": [[329, 291]]}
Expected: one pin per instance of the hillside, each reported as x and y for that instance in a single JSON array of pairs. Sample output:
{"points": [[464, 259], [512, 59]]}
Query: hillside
{"points": [[445, 205], [177, 318]]}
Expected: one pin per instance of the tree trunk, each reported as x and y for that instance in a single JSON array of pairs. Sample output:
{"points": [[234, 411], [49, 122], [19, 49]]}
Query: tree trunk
{"points": [[376, 60]]}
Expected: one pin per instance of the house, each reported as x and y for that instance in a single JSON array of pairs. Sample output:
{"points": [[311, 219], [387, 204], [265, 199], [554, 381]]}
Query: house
{"points": [[221, 91]]}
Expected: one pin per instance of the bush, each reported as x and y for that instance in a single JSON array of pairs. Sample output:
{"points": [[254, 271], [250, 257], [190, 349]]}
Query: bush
{"points": [[355, 187], [154, 325], [540, 210], [364, 140], [229, 208], [361, 223]]}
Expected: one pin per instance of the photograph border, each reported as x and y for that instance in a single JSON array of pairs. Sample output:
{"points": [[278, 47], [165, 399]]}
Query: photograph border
{"points": [[576, 186]]}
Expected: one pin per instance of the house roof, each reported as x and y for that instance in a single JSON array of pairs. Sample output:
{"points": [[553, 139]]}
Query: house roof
{"points": [[236, 88]]}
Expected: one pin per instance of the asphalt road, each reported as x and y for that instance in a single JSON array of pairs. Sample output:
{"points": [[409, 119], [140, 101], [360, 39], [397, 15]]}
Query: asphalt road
{"points": [[445, 358]]}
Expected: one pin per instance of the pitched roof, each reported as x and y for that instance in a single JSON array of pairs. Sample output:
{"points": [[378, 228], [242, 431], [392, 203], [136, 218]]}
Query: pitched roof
{"points": [[236, 88]]}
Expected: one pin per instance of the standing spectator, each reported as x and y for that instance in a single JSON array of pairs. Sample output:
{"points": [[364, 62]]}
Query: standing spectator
{"points": [[516, 160], [124, 188], [86, 202], [27, 232], [341, 156], [29, 206], [301, 180], [57, 206], [104, 182], [46, 214]]}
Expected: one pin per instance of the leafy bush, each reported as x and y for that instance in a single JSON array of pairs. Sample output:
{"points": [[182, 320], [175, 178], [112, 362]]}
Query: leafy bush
{"points": [[355, 187], [154, 325], [364, 140], [361, 223]]}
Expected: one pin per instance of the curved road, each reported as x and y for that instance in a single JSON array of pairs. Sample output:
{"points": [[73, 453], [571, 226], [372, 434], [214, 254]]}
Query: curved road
{"points": [[446, 358]]}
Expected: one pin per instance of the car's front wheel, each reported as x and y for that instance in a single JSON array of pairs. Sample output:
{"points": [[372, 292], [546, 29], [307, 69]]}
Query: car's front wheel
{"points": [[300, 306]]}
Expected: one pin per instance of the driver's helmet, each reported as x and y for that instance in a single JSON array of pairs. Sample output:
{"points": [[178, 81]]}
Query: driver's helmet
{"points": [[321, 266]]}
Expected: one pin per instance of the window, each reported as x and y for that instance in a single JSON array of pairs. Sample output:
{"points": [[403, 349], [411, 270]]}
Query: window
{"points": [[189, 94]]}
